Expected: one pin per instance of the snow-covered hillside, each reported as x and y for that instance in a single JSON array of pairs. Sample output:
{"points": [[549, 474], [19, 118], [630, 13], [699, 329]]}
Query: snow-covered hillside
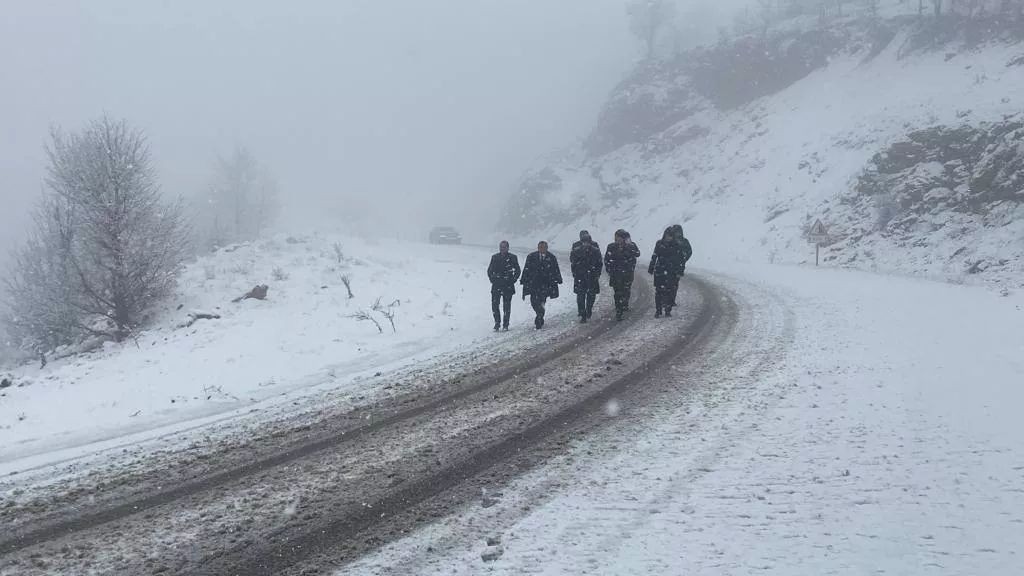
{"points": [[904, 135], [305, 336]]}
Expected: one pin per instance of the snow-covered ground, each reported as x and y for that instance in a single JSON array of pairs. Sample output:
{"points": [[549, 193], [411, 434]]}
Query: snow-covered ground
{"points": [[303, 338], [856, 424]]}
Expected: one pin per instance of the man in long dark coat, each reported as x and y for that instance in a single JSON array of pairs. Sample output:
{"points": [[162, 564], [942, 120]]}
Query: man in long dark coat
{"points": [[503, 271], [541, 277], [586, 264], [667, 265], [620, 262]]}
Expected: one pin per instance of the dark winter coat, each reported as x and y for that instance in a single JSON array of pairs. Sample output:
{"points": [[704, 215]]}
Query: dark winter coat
{"points": [[620, 262], [541, 276], [677, 232], [687, 251], [585, 260], [668, 259], [503, 272]]}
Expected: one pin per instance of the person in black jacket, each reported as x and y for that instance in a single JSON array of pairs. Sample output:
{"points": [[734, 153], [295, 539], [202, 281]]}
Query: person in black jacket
{"points": [[586, 264], [503, 272], [620, 262], [684, 245], [667, 265], [541, 277]]}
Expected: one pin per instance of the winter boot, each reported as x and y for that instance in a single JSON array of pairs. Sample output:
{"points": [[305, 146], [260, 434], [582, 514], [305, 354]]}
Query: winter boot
{"points": [[668, 312], [657, 313], [497, 326], [618, 315]]}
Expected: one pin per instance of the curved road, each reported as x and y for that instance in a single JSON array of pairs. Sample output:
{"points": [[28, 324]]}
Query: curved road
{"points": [[309, 497]]}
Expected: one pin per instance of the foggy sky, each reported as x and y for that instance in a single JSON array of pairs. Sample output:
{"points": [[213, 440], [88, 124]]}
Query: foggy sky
{"points": [[406, 113], [425, 111]]}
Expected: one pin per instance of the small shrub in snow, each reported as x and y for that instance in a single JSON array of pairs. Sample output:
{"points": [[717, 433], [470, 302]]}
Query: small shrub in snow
{"points": [[339, 254], [241, 269], [279, 274], [387, 311], [217, 391], [364, 316], [348, 285]]}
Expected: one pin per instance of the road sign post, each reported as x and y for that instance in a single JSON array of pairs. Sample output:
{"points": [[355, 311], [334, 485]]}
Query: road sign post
{"points": [[818, 235]]}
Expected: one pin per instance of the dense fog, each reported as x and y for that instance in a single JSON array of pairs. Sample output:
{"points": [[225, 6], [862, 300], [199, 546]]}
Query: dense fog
{"points": [[392, 116]]}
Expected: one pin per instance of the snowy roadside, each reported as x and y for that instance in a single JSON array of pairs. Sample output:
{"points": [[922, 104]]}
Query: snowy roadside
{"points": [[303, 340], [883, 438]]}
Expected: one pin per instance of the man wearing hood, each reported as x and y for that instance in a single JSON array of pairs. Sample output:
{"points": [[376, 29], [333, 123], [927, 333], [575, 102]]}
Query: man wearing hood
{"points": [[586, 264], [620, 262], [667, 265], [677, 231]]}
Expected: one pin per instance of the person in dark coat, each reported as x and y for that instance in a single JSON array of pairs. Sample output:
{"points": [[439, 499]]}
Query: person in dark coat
{"points": [[503, 271], [586, 264], [620, 262], [684, 244], [541, 277], [667, 265]]}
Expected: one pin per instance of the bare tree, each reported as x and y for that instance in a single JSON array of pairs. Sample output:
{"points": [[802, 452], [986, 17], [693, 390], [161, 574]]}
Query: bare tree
{"points": [[41, 285], [106, 246], [765, 16], [241, 202], [648, 18]]}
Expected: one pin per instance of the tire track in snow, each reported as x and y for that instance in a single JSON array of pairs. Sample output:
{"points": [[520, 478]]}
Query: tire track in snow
{"points": [[677, 400], [81, 526], [453, 488]]}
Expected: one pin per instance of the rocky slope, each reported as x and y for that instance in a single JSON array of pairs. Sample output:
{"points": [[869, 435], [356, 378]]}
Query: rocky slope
{"points": [[903, 134]]}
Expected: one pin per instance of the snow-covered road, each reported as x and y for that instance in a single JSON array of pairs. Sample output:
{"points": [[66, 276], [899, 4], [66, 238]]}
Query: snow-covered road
{"points": [[854, 424], [792, 420], [303, 341], [262, 495]]}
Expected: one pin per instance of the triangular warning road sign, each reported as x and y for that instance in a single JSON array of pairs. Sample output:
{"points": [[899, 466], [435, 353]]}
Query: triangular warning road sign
{"points": [[818, 229]]}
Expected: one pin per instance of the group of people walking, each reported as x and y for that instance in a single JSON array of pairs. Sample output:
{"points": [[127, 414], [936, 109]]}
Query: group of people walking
{"points": [[541, 275]]}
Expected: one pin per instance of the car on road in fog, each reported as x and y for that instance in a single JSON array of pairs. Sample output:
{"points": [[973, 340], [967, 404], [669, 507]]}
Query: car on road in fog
{"points": [[445, 235]]}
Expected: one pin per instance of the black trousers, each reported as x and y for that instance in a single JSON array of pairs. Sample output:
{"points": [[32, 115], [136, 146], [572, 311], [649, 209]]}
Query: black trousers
{"points": [[538, 303], [665, 289], [503, 299], [623, 289], [585, 303]]}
